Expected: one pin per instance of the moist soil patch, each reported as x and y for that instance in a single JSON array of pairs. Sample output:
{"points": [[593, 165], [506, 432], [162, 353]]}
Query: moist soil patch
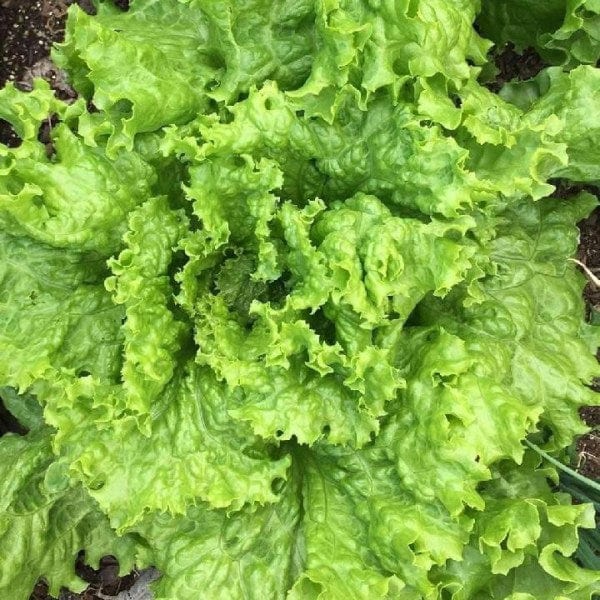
{"points": [[589, 255], [28, 28], [513, 66], [588, 446], [104, 580]]}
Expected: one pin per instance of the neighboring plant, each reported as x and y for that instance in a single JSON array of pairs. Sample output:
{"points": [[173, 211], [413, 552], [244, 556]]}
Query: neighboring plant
{"points": [[582, 489], [285, 300]]}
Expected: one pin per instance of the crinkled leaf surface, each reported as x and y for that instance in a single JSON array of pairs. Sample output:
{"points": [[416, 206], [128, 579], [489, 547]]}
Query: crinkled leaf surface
{"points": [[282, 306], [564, 32], [45, 520]]}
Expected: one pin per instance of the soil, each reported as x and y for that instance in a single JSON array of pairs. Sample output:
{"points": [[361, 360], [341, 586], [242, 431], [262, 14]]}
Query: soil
{"points": [[588, 446], [589, 255], [104, 580], [28, 28], [512, 66]]}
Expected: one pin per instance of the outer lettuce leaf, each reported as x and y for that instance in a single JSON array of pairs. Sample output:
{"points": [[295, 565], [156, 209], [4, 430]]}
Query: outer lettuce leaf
{"points": [[114, 69], [530, 316], [518, 548], [26, 112], [191, 450], [456, 395], [522, 22], [574, 98], [39, 283], [579, 35], [386, 44], [254, 553], [258, 41], [514, 151], [45, 521], [327, 537], [218, 50], [77, 198], [213, 51], [364, 533], [564, 32]]}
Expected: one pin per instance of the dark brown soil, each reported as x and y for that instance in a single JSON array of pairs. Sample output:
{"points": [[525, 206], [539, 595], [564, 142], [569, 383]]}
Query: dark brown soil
{"points": [[28, 28], [512, 66], [27, 31], [589, 254], [105, 580], [588, 451]]}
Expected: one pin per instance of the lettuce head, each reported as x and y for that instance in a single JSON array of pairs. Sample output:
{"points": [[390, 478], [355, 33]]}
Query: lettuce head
{"points": [[285, 299]]}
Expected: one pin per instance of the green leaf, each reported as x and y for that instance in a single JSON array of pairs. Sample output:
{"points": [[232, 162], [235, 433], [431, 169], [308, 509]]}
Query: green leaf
{"points": [[39, 283], [530, 314], [43, 528], [189, 450], [213, 51], [564, 32], [252, 553], [365, 534], [458, 417], [26, 112], [520, 21], [24, 407], [78, 198], [522, 541]]}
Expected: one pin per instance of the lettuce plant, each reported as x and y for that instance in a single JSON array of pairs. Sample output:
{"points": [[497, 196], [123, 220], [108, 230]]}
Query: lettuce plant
{"points": [[286, 298]]}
